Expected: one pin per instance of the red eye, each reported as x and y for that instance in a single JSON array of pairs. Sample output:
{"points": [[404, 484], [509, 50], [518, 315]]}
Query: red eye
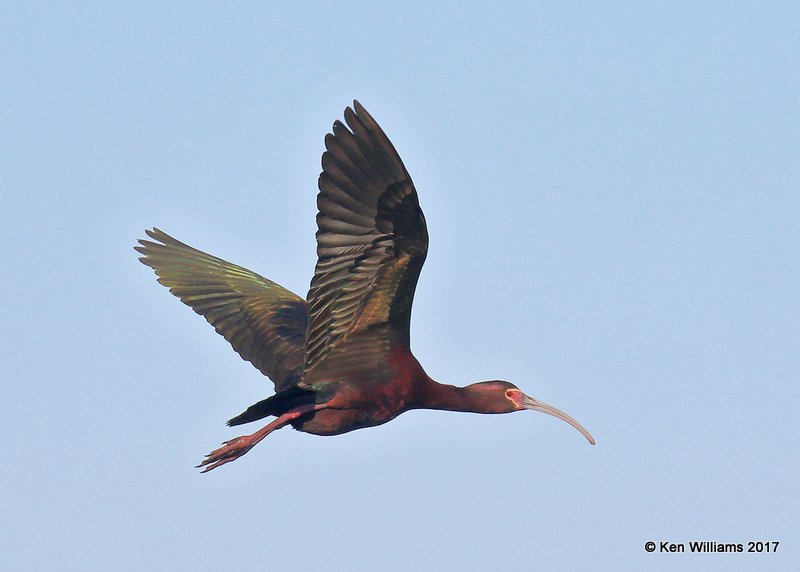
{"points": [[509, 393]]}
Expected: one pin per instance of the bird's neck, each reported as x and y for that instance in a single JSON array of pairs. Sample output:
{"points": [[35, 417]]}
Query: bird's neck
{"points": [[436, 395]]}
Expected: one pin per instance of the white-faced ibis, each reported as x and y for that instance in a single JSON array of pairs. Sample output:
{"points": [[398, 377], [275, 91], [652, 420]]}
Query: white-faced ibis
{"points": [[340, 360]]}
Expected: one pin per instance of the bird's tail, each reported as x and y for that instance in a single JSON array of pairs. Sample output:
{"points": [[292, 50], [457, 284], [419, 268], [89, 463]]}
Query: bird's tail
{"points": [[276, 405]]}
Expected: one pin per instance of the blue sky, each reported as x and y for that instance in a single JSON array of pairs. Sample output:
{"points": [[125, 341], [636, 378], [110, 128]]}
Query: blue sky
{"points": [[611, 193]]}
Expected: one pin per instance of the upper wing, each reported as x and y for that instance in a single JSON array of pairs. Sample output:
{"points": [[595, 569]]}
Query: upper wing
{"points": [[371, 243], [264, 322]]}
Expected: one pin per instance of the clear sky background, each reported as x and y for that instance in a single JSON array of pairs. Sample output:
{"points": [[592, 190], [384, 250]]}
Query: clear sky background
{"points": [[612, 197]]}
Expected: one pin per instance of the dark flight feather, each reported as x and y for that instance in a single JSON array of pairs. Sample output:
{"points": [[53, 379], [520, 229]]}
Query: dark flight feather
{"points": [[264, 322], [371, 243]]}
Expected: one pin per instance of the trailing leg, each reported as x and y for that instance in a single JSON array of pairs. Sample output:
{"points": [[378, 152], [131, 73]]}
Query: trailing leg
{"points": [[235, 448]]}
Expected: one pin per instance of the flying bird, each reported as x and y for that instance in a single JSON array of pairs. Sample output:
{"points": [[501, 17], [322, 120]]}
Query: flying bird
{"points": [[340, 359]]}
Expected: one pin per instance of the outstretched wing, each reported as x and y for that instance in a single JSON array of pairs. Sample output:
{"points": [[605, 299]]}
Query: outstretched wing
{"points": [[264, 322], [371, 243]]}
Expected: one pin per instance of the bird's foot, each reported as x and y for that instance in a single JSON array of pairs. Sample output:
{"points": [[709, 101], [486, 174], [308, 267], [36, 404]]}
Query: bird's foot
{"points": [[230, 451]]}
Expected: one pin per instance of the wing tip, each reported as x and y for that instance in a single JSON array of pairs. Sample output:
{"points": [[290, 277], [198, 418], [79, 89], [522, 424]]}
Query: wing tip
{"points": [[145, 249]]}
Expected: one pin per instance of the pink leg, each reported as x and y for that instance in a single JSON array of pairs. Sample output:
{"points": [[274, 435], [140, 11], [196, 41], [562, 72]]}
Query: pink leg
{"points": [[235, 448]]}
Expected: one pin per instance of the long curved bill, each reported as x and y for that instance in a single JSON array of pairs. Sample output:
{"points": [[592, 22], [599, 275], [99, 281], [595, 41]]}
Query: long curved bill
{"points": [[529, 402]]}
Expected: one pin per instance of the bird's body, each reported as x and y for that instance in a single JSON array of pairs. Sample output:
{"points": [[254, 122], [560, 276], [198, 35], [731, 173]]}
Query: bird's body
{"points": [[363, 397], [341, 360]]}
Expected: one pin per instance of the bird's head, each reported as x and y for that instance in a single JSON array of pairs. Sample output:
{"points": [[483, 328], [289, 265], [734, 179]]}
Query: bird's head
{"points": [[504, 397]]}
